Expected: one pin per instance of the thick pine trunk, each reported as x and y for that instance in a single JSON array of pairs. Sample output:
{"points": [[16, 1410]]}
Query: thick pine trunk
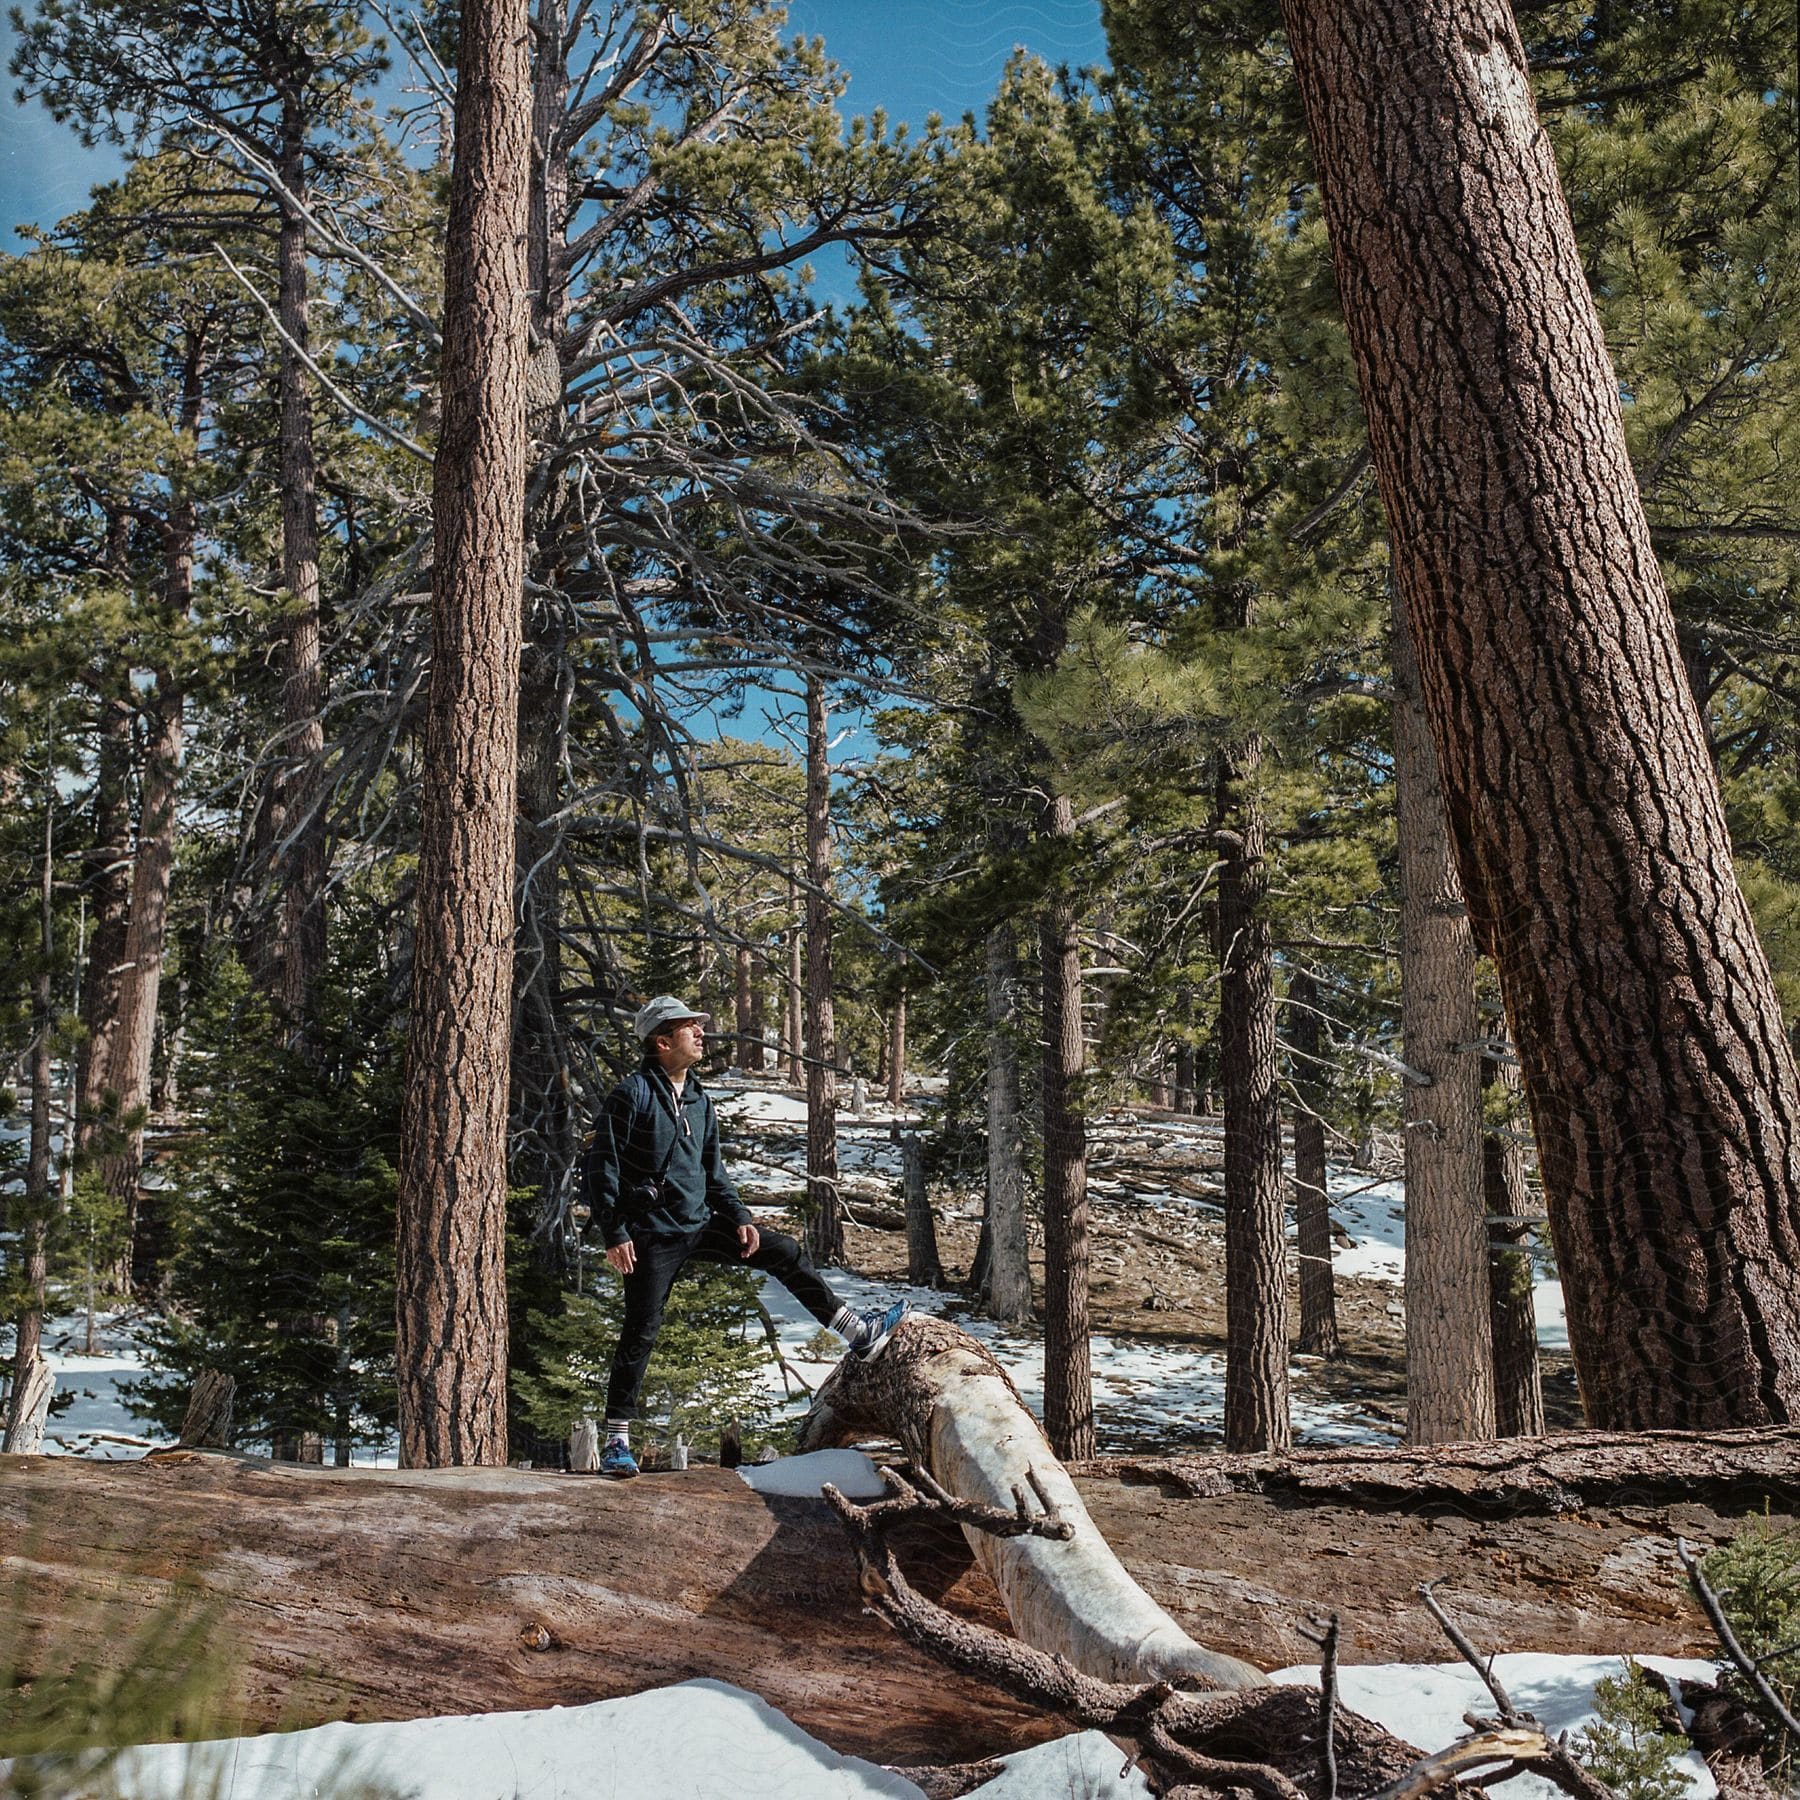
{"points": [[1518, 1381], [1187, 1099], [1312, 1212], [1449, 1349], [1008, 1270], [451, 1243], [1256, 1288], [107, 882], [1068, 1367], [1589, 827], [297, 828], [824, 1211]]}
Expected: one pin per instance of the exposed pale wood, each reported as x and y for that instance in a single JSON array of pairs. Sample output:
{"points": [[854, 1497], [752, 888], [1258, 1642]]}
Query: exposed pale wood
{"points": [[584, 1447], [959, 1416]]}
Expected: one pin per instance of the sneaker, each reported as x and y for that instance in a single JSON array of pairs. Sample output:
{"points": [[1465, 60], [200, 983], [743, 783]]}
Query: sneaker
{"points": [[617, 1461], [869, 1331]]}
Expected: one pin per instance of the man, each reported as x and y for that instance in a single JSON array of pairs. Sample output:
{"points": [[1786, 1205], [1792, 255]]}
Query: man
{"points": [[661, 1198]]}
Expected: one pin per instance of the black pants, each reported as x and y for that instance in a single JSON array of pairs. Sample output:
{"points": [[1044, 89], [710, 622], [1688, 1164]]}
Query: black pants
{"points": [[661, 1259]]}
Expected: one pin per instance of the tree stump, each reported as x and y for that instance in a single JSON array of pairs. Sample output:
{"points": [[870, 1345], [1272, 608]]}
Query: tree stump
{"points": [[29, 1409], [207, 1423], [584, 1447]]}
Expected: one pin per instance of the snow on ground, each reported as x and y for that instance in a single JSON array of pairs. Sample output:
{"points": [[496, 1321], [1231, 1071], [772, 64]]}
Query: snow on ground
{"points": [[703, 1738], [1146, 1394], [1425, 1702], [689, 1742], [675, 1743], [96, 1421]]}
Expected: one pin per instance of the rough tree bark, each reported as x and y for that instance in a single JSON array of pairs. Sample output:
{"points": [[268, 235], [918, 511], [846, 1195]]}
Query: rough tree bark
{"points": [[794, 989], [106, 880], [296, 825], [1009, 1264], [1256, 1288], [1449, 1347], [140, 974], [1518, 1380], [924, 1266], [749, 1046], [29, 1401], [824, 1210], [896, 1053], [1590, 832], [1312, 1212], [1068, 1366], [451, 1235], [959, 1416]]}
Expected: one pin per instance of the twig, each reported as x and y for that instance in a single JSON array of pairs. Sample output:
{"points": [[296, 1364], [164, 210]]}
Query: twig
{"points": [[1325, 1635], [1469, 1654], [1745, 1664], [331, 387]]}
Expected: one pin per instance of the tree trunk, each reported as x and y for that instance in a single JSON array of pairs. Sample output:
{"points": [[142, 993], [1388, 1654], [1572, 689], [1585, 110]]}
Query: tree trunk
{"points": [[1256, 1287], [960, 1418], [711, 1579], [749, 1049], [1187, 1100], [206, 1425], [1590, 833], [107, 881], [31, 1380], [1518, 1382], [824, 1212], [1312, 1211], [924, 1267], [1008, 1270], [1449, 1347], [296, 825], [451, 1237], [140, 975], [795, 1026], [1068, 1369], [896, 1053]]}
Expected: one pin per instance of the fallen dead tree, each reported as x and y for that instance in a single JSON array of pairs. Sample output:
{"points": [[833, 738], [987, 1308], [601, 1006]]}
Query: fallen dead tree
{"points": [[1509, 1475], [958, 1415], [1279, 1743]]}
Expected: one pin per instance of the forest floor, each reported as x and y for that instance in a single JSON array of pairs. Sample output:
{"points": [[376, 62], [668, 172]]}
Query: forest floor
{"points": [[1157, 1286]]}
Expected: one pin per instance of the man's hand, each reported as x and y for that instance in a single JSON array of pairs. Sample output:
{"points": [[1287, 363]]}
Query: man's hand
{"points": [[749, 1237], [623, 1257]]}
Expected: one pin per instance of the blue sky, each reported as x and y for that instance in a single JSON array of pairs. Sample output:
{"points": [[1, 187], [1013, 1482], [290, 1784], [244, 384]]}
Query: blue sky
{"points": [[912, 57]]}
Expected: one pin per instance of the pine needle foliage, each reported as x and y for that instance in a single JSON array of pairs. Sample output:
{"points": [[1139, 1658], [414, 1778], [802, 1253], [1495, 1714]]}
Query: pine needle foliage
{"points": [[1757, 1579], [708, 1368], [1627, 1746]]}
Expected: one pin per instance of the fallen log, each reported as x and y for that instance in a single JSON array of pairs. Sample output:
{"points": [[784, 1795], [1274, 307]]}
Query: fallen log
{"points": [[1560, 1473], [958, 1415], [395, 1594]]}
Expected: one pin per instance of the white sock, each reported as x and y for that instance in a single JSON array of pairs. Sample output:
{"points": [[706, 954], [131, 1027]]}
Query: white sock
{"points": [[841, 1319], [618, 1431]]}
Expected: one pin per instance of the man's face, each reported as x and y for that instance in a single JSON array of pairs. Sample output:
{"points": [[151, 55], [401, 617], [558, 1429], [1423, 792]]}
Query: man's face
{"points": [[681, 1045]]}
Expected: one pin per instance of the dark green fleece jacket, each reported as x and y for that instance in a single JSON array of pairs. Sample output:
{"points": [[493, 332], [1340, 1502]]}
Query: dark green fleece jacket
{"points": [[653, 1167]]}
